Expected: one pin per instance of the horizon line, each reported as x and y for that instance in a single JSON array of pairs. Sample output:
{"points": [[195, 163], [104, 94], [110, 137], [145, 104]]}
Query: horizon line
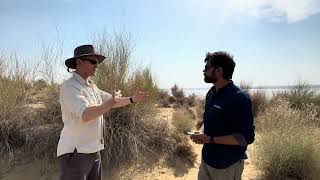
{"points": [[312, 86]]}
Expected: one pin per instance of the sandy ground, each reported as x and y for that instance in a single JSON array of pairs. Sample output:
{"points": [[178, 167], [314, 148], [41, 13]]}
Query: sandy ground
{"points": [[163, 173], [33, 171]]}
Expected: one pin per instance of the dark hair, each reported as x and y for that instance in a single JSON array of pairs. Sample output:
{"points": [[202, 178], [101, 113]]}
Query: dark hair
{"points": [[224, 60]]}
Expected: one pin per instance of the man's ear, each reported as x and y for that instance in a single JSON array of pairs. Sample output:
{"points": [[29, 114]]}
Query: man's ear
{"points": [[219, 69], [78, 61]]}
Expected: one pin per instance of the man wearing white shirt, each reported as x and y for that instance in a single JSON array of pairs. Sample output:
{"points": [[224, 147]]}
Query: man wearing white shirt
{"points": [[83, 105]]}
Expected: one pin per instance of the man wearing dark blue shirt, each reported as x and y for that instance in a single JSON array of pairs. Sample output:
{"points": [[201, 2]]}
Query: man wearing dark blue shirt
{"points": [[228, 122]]}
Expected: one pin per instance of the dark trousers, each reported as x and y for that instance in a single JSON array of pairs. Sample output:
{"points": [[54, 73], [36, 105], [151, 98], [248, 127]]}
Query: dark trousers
{"points": [[79, 166]]}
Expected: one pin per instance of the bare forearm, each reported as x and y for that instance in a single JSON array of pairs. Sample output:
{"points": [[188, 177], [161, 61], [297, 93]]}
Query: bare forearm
{"points": [[226, 140], [233, 139], [123, 101], [92, 112]]}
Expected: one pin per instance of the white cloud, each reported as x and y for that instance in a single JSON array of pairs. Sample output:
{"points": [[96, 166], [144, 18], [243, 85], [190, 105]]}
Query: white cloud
{"points": [[273, 10]]}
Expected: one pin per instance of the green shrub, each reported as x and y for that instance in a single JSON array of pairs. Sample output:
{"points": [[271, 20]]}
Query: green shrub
{"points": [[285, 145]]}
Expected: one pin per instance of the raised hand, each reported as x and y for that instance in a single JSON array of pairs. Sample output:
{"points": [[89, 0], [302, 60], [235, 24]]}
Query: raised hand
{"points": [[117, 94], [116, 97]]}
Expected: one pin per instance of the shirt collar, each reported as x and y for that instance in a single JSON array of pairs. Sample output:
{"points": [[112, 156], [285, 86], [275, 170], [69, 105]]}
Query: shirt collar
{"points": [[223, 88], [81, 80]]}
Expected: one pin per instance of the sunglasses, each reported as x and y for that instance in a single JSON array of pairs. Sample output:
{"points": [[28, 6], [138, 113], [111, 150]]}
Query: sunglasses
{"points": [[91, 61]]}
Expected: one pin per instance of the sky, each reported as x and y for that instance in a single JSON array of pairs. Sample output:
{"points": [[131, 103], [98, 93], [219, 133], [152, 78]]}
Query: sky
{"points": [[274, 42]]}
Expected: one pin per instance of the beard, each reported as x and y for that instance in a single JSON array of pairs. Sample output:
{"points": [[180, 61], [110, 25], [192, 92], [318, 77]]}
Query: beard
{"points": [[209, 79]]}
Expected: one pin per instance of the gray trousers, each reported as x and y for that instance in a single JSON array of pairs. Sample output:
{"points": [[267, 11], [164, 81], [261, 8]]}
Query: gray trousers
{"points": [[79, 166], [232, 172]]}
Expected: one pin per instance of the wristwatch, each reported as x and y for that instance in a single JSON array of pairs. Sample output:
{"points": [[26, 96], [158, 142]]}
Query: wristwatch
{"points": [[131, 100]]}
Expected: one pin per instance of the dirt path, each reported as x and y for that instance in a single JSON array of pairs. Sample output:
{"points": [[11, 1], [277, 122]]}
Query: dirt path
{"points": [[166, 114]]}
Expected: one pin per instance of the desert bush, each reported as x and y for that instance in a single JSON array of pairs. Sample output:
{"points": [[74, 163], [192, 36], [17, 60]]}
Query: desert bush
{"points": [[51, 113], [172, 100], [27, 130], [258, 98], [163, 98], [133, 134], [14, 112], [182, 154], [259, 101], [182, 120], [43, 134], [134, 138], [245, 86], [178, 98], [39, 85], [299, 95], [200, 108], [286, 147], [191, 100], [177, 92]]}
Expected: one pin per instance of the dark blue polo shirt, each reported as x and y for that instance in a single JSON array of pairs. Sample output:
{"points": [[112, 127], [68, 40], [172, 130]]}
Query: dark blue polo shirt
{"points": [[227, 112]]}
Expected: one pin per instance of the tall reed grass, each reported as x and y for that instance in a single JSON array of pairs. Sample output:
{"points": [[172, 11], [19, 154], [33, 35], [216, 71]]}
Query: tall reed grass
{"points": [[30, 115], [134, 134]]}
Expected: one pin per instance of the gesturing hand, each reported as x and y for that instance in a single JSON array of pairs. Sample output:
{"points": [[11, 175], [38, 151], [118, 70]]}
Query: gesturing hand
{"points": [[116, 95], [139, 96]]}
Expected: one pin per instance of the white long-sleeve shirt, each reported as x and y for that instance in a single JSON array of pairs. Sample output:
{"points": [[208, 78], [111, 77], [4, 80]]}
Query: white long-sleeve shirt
{"points": [[76, 95]]}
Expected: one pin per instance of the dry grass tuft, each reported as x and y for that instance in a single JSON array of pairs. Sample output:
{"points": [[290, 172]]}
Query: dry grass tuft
{"points": [[134, 133], [183, 120], [286, 147]]}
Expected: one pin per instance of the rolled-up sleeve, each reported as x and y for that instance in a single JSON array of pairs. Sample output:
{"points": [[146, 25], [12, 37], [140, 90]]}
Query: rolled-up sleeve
{"points": [[73, 101], [242, 119]]}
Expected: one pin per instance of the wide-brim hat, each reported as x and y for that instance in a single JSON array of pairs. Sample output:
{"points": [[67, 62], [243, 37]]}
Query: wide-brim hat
{"points": [[82, 51]]}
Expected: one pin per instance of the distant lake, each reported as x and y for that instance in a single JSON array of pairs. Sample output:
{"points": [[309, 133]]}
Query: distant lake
{"points": [[269, 90]]}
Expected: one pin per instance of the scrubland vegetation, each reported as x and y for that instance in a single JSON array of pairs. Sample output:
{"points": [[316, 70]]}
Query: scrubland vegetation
{"points": [[137, 138]]}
